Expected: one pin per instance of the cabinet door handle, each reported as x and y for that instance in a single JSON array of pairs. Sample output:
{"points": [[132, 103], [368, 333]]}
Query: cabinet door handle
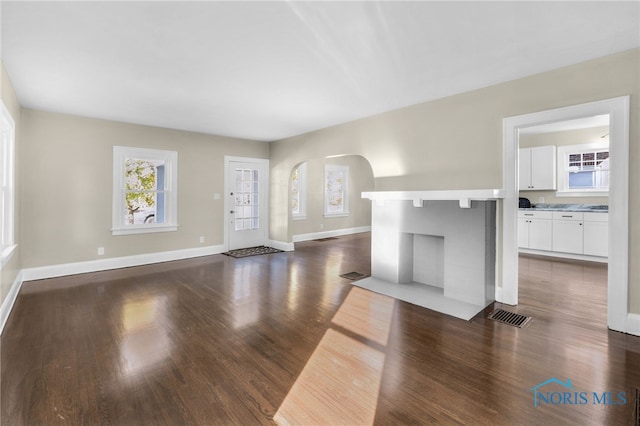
{"points": [[567, 216]]}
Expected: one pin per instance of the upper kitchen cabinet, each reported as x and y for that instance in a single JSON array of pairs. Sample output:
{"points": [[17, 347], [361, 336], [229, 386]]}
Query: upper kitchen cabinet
{"points": [[537, 168]]}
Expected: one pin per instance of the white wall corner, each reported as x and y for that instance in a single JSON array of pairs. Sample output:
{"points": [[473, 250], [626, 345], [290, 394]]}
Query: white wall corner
{"points": [[9, 301], [633, 324], [499, 294]]}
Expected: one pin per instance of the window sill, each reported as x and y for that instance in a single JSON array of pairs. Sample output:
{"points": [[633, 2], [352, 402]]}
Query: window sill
{"points": [[147, 229], [7, 253], [582, 193]]}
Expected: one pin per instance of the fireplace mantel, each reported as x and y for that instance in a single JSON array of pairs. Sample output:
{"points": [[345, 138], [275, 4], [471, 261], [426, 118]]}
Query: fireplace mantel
{"points": [[436, 249], [463, 196]]}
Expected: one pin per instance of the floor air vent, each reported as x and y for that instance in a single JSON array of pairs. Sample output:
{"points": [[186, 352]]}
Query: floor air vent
{"points": [[353, 276], [509, 318]]}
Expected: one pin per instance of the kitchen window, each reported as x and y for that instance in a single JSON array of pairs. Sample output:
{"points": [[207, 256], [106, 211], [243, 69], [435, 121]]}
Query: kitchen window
{"points": [[583, 170], [145, 190]]}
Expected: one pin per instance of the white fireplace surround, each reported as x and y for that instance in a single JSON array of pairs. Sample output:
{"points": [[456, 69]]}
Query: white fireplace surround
{"points": [[435, 249]]}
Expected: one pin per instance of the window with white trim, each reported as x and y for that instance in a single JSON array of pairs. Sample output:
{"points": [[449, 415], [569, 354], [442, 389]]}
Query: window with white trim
{"points": [[7, 163], [145, 190], [336, 180], [583, 170], [299, 192]]}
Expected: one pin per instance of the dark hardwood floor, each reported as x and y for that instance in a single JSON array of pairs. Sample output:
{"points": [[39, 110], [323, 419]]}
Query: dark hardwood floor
{"points": [[218, 340]]}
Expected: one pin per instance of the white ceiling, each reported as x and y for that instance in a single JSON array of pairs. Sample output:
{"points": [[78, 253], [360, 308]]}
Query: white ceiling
{"points": [[270, 70]]}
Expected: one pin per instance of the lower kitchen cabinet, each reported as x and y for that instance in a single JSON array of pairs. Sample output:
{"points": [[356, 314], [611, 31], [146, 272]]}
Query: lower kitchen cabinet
{"points": [[596, 234], [568, 232], [564, 232], [535, 230]]}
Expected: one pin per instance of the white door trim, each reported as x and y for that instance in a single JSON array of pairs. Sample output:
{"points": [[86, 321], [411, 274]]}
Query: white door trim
{"points": [[619, 318], [228, 159]]}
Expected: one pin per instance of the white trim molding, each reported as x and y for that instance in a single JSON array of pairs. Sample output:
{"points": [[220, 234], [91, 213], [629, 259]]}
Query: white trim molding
{"points": [[10, 300], [281, 245], [326, 234], [588, 258], [61, 270], [618, 275], [169, 190]]}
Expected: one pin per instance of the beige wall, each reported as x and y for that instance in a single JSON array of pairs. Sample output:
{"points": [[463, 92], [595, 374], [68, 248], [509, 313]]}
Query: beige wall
{"points": [[564, 138], [12, 268], [360, 179], [67, 187], [456, 142], [64, 162]]}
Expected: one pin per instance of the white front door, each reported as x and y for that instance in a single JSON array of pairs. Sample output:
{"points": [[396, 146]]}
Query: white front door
{"points": [[246, 203]]}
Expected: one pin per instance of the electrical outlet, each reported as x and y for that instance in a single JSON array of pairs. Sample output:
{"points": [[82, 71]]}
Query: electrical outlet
{"points": [[541, 200], [201, 240], [100, 251]]}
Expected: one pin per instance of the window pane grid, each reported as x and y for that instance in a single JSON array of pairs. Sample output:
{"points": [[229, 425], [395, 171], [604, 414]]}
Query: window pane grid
{"points": [[335, 191], [247, 200], [588, 170], [144, 192]]}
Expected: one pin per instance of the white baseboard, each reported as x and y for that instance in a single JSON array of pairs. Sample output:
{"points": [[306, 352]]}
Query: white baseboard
{"points": [[565, 255], [281, 245], [327, 234], [10, 300], [52, 271]]}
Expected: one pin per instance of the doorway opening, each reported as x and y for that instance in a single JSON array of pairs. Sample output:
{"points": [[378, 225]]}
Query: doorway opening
{"points": [[618, 111]]}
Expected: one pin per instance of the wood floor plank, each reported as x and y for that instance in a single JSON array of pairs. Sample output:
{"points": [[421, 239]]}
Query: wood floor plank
{"points": [[217, 340]]}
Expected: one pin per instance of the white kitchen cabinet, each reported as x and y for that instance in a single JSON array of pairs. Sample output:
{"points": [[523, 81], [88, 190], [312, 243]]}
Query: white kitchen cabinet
{"points": [[572, 233], [537, 168], [596, 234], [535, 230], [568, 232]]}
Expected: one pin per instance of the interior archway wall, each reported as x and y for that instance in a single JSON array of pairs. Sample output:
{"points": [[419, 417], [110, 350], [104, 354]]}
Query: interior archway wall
{"points": [[456, 142], [360, 179]]}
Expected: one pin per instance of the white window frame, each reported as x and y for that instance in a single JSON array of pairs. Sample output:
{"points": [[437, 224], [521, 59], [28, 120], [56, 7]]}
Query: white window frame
{"points": [[328, 168], [563, 165], [301, 214], [7, 193], [170, 158]]}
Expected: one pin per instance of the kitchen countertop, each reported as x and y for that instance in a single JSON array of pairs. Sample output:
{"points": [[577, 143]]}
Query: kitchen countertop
{"points": [[597, 208]]}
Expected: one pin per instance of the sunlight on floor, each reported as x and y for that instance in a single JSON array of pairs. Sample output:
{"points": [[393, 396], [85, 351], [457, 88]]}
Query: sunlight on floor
{"points": [[340, 382]]}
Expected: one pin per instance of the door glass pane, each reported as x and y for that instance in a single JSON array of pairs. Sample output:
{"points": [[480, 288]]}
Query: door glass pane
{"points": [[247, 199]]}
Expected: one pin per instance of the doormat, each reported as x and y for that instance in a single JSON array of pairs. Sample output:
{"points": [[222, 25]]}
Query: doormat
{"points": [[251, 251], [509, 318], [353, 276]]}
